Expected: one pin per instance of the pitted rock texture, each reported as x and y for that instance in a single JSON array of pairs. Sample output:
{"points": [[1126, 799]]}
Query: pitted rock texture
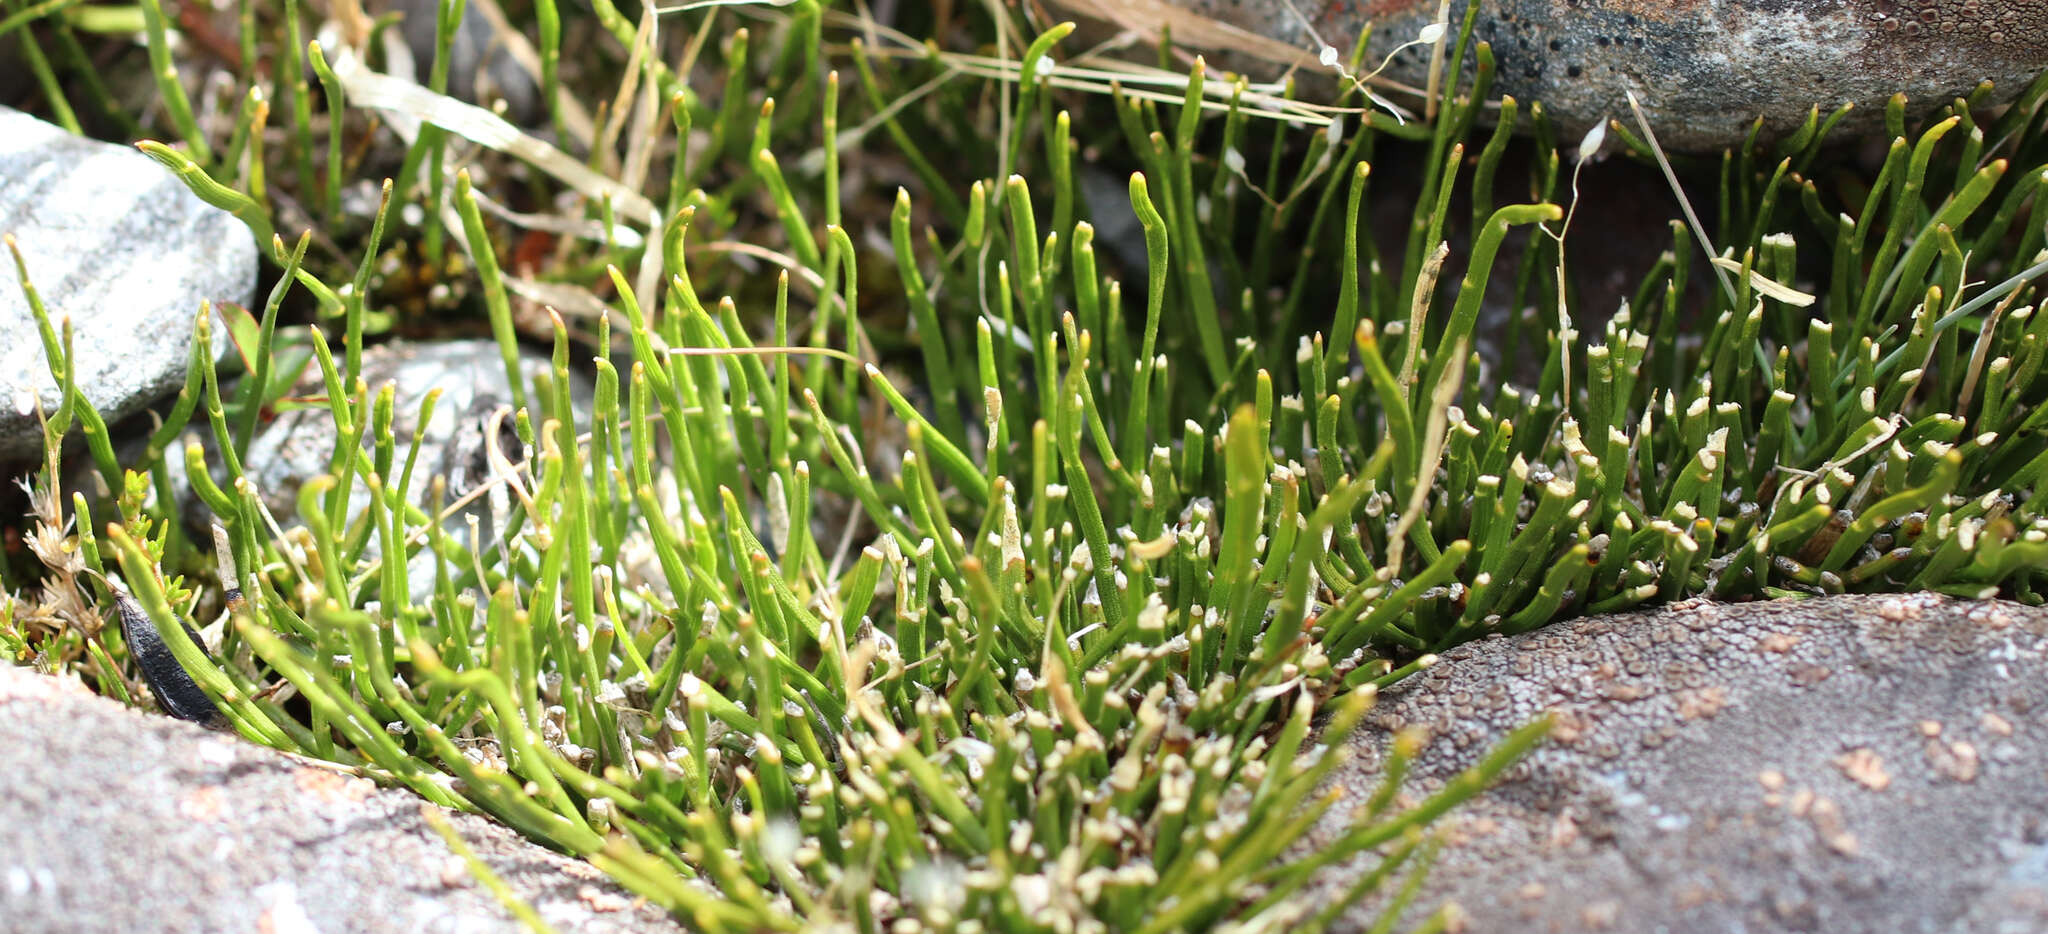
{"points": [[1704, 71], [1829, 764], [116, 820], [118, 244]]}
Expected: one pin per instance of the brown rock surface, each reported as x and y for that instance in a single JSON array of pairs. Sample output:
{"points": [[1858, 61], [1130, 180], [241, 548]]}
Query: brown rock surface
{"points": [[115, 820], [1703, 70], [1833, 764]]}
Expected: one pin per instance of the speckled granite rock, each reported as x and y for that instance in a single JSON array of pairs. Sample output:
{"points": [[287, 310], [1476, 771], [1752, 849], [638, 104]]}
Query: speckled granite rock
{"points": [[120, 245], [114, 820], [1834, 764], [1703, 70]]}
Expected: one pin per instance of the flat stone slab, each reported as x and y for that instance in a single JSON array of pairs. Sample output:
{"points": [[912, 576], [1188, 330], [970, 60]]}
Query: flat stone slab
{"points": [[121, 246], [117, 820], [1831, 764]]}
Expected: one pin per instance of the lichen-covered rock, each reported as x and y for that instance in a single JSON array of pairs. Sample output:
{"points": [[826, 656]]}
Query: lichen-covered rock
{"points": [[1704, 71], [115, 820], [1831, 764], [117, 243]]}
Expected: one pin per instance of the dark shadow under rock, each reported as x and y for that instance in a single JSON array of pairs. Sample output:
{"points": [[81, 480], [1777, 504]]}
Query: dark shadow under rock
{"points": [[1831, 764], [114, 820]]}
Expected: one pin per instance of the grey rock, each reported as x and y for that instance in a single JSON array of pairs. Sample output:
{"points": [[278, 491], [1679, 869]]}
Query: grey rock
{"points": [[115, 820], [470, 375], [481, 68], [124, 249], [1703, 70], [1836, 764], [475, 408]]}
